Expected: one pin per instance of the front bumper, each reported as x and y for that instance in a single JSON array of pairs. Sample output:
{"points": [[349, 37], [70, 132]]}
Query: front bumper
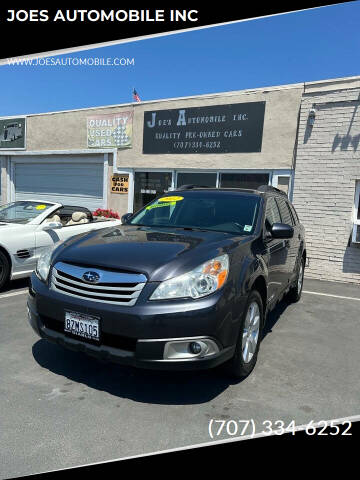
{"points": [[136, 336]]}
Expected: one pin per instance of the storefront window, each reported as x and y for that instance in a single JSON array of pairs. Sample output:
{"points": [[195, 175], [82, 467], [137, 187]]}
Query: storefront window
{"points": [[148, 185], [244, 180], [196, 178]]}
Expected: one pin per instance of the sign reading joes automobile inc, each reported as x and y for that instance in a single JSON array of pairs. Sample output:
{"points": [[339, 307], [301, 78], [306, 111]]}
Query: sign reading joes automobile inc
{"points": [[110, 131], [233, 128], [12, 133]]}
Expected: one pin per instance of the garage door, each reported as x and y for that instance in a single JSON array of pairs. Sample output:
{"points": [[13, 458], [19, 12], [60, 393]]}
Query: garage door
{"points": [[72, 182]]}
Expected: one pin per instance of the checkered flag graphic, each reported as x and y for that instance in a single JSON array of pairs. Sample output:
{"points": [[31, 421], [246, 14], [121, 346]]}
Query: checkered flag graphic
{"points": [[120, 136]]}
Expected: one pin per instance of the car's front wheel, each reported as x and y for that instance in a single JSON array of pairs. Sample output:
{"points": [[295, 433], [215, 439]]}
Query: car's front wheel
{"points": [[4, 269], [248, 342]]}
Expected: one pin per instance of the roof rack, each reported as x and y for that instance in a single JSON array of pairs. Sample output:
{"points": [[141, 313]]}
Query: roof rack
{"points": [[269, 188]]}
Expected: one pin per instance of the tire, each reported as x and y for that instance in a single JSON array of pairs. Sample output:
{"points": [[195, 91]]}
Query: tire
{"points": [[295, 291], [4, 270], [244, 359]]}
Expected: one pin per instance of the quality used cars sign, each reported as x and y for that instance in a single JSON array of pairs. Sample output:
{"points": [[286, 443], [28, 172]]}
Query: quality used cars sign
{"points": [[110, 131]]}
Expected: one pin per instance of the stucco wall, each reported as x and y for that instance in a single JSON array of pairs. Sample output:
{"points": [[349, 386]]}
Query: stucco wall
{"points": [[67, 130], [116, 201], [280, 123], [327, 167]]}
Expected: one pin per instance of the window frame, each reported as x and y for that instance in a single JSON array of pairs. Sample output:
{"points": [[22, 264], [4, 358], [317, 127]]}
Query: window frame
{"points": [[356, 221]]}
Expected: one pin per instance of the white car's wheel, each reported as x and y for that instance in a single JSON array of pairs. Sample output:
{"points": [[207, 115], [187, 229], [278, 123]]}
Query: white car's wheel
{"points": [[4, 269]]}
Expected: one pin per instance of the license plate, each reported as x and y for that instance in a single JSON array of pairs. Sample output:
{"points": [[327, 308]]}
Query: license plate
{"points": [[82, 325]]}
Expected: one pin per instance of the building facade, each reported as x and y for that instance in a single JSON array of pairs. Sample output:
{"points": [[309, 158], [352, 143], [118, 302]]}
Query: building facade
{"points": [[300, 138], [327, 178]]}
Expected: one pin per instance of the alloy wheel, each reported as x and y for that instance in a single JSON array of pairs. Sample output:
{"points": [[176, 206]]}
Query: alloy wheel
{"points": [[251, 332]]}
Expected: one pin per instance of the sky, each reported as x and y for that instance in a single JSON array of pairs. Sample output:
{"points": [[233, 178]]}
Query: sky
{"points": [[303, 46]]}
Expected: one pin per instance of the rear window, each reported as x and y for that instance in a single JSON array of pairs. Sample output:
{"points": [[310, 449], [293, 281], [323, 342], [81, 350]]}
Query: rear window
{"points": [[230, 213]]}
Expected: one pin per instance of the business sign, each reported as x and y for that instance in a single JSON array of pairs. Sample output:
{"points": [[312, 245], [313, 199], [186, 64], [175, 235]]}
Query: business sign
{"points": [[12, 133], [119, 183], [234, 128], [110, 131]]}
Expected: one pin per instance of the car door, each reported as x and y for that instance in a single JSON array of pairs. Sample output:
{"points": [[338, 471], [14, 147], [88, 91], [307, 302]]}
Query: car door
{"points": [[293, 243], [276, 252], [19, 241]]}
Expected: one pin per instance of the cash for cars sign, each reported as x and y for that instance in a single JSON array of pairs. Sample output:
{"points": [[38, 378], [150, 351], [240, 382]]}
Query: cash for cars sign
{"points": [[110, 131], [119, 183], [229, 128]]}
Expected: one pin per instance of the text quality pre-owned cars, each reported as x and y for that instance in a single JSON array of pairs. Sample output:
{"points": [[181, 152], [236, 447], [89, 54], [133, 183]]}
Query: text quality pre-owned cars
{"points": [[184, 283]]}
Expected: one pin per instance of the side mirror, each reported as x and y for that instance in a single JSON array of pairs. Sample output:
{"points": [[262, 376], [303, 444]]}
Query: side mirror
{"points": [[52, 226], [126, 217], [282, 230]]}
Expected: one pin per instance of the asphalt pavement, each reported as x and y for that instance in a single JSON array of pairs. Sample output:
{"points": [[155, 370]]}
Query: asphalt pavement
{"points": [[61, 409]]}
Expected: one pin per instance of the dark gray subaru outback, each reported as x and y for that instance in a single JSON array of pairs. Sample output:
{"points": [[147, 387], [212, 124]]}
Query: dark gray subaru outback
{"points": [[184, 283]]}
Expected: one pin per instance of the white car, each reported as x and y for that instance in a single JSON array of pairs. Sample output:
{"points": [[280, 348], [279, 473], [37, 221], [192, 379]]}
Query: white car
{"points": [[27, 228]]}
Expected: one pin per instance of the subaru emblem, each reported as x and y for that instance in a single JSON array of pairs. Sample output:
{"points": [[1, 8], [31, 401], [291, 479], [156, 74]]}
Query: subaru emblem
{"points": [[91, 277]]}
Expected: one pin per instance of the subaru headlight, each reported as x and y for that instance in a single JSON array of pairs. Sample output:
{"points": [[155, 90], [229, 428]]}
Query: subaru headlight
{"points": [[44, 262], [203, 280]]}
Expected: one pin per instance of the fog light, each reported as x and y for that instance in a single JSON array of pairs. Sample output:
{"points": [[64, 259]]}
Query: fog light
{"points": [[195, 348], [189, 349]]}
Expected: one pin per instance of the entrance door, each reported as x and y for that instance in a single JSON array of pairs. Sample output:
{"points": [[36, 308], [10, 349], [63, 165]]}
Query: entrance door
{"points": [[148, 185]]}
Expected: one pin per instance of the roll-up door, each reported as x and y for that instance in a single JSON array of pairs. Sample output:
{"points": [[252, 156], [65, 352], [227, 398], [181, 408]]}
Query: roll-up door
{"points": [[76, 182]]}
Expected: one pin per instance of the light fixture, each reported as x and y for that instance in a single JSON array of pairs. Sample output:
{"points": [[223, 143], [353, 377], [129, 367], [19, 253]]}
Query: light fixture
{"points": [[312, 114]]}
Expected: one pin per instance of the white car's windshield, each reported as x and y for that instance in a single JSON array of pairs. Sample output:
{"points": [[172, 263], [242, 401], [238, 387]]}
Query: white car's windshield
{"points": [[22, 211]]}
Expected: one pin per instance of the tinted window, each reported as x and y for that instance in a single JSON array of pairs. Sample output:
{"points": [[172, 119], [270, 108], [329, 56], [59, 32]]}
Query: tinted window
{"points": [[285, 213], [232, 213], [272, 213], [196, 178], [244, 180]]}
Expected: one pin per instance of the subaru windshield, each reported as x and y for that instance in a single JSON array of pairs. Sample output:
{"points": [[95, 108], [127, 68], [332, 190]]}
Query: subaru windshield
{"points": [[22, 211], [231, 213]]}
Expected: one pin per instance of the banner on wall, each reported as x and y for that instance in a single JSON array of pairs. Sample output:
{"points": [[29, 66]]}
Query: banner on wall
{"points": [[110, 130], [232, 128], [12, 133]]}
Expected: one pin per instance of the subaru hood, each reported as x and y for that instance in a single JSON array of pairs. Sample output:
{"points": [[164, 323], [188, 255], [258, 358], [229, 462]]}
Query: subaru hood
{"points": [[159, 253]]}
